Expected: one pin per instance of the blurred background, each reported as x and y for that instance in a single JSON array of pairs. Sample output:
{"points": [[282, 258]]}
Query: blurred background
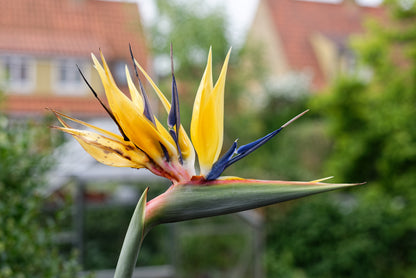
{"points": [[353, 63]]}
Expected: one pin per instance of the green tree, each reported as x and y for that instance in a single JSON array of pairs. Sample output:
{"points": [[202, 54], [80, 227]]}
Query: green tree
{"points": [[367, 232], [298, 151], [26, 244], [192, 28]]}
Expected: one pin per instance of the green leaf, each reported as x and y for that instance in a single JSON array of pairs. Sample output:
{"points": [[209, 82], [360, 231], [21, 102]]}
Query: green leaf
{"points": [[190, 201], [132, 241]]}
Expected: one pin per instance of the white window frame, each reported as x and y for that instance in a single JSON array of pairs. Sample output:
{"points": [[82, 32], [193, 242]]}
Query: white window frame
{"points": [[12, 78], [72, 84]]}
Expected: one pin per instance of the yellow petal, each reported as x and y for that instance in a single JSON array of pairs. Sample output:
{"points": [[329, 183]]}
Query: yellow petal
{"points": [[207, 125], [100, 130], [134, 124], [108, 151], [185, 143], [204, 90], [138, 100], [136, 97]]}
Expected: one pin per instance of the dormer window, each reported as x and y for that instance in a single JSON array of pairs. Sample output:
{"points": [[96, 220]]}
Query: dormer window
{"points": [[18, 73]]}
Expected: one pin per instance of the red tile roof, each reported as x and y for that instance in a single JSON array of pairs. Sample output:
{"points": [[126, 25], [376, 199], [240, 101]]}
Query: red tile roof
{"points": [[296, 20], [72, 27], [69, 28]]}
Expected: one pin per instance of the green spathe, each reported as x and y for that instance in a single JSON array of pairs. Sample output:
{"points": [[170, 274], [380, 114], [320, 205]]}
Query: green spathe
{"points": [[196, 200]]}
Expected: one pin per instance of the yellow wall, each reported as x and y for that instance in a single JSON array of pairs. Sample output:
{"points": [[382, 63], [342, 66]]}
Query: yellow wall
{"points": [[327, 54], [263, 32], [43, 77]]}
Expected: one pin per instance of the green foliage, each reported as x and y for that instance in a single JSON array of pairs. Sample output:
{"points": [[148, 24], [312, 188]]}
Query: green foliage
{"points": [[214, 247], [298, 151], [105, 229], [191, 29], [363, 236], [368, 232], [104, 233], [26, 246]]}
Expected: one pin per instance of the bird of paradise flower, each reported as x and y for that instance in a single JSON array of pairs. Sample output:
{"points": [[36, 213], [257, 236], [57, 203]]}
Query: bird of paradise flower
{"points": [[145, 143]]}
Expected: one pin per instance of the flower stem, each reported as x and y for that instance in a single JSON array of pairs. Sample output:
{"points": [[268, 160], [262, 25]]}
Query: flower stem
{"points": [[132, 241]]}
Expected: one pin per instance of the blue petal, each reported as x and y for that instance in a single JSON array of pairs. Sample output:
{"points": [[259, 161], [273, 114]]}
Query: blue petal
{"points": [[175, 138], [227, 159], [221, 163], [256, 144], [165, 152], [245, 150], [147, 109], [174, 117]]}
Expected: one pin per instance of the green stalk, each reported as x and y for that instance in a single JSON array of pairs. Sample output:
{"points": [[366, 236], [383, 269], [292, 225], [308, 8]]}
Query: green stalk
{"points": [[132, 241]]}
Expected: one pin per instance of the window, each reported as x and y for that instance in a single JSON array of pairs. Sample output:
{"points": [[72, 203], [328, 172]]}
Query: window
{"points": [[67, 79], [119, 72], [18, 73]]}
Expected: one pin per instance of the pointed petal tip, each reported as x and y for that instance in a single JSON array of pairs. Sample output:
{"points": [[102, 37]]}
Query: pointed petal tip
{"points": [[95, 61], [101, 54], [48, 109], [322, 179], [145, 193], [59, 117], [54, 127], [337, 185], [171, 57], [209, 60], [295, 118], [359, 183]]}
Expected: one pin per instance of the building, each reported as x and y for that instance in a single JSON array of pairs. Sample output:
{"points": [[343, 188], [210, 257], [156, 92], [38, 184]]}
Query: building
{"points": [[309, 36], [42, 41]]}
